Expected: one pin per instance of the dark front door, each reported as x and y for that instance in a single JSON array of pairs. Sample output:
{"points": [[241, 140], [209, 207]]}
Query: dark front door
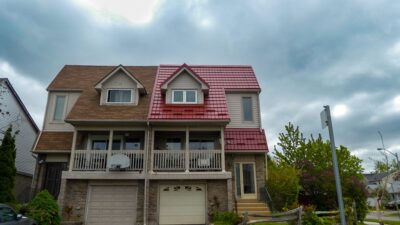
{"points": [[52, 179]]}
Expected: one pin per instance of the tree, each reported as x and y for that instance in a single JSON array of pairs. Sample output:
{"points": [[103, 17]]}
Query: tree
{"points": [[313, 158], [7, 167], [284, 190], [380, 166]]}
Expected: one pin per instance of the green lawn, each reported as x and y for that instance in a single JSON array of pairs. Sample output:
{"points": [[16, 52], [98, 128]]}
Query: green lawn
{"points": [[392, 214]]}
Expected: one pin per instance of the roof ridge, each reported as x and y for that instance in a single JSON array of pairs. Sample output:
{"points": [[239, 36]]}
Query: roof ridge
{"points": [[208, 65]]}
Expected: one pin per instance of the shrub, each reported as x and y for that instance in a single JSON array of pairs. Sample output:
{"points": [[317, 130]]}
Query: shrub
{"points": [[44, 209], [284, 190], [225, 218], [311, 218]]}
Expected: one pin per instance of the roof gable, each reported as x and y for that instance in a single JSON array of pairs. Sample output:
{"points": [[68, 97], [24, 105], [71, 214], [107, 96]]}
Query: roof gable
{"points": [[180, 71], [115, 71], [21, 104]]}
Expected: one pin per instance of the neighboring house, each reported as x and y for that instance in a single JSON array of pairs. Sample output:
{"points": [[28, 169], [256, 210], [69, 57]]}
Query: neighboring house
{"points": [[378, 180], [161, 144], [15, 113]]}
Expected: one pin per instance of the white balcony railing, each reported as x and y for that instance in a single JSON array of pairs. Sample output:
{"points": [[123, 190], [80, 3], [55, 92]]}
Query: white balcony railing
{"points": [[136, 158], [96, 160], [169, 160], [205, 160], [175, 160]]}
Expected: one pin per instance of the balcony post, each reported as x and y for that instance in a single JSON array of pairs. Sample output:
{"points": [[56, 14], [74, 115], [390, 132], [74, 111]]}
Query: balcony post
{"points": [[72, 159], [152, 151], [110, 142], [187, 151], [222, 149]]}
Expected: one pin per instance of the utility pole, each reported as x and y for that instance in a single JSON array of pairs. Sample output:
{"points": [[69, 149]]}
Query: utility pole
{"points": [[326, 121]]}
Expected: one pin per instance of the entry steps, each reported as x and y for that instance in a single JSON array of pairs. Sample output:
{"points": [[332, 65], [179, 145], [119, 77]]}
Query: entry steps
{"points": [[252, 206]]}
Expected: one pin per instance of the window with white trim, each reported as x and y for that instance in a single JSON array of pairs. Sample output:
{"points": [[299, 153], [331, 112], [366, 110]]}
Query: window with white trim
{"points": [[247, 109], [184, 96], [119, 96], [59, 108]]}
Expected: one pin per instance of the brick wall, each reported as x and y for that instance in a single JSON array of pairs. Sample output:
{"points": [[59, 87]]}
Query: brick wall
{"points": [[74, 200]]}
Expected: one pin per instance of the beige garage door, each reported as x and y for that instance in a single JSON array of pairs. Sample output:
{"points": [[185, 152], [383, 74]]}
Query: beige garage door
{"points": [[112, 205], [182, 204]]}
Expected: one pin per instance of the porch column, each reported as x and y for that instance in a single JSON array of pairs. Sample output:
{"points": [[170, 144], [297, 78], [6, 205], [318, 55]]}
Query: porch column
{"points": [[109, 149], [151, 151], [222, 149], [187, 151], [72, 158]]}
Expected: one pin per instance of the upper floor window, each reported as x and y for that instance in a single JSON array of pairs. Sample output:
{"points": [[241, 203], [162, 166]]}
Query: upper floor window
{"points": [[184, 96], [247, 109], [59, 108], [119, 96]]}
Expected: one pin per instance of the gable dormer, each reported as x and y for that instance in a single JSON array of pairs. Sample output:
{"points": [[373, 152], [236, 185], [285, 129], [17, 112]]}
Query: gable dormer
{"points": [[184, 86], [120, 87]]}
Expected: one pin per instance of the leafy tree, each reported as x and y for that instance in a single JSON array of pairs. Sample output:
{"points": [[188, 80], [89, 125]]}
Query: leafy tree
{"points": [[284, 190], [381, 166], [7, 167], [313, 158]]}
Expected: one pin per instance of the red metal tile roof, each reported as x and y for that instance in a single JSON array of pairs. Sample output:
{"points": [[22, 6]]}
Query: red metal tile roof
{"points": [[218, 78], [245, 139]]}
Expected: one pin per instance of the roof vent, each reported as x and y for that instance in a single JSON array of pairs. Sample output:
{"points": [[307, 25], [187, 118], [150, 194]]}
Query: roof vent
{"points": [[119, 162]]}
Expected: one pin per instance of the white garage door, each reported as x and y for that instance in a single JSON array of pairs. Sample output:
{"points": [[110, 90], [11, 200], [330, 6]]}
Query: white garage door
{"points": [[112, 205], [182, 204]]}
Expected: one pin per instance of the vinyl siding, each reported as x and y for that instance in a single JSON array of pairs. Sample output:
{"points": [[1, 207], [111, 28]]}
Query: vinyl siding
{"points": [[26, 137], [70, 100], [236, 112], [184, 81], [120, 81]]}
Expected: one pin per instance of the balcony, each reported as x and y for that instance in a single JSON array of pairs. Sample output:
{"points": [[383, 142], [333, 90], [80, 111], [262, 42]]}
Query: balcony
{"points": [[95, 149], [184, 151]]}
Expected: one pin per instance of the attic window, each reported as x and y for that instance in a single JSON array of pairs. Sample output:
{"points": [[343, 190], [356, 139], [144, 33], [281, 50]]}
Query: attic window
{"points": [[184, 96], [119, 96]]}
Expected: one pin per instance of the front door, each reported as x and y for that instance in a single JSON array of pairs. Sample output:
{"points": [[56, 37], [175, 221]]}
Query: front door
{"points": [[245, 180]]}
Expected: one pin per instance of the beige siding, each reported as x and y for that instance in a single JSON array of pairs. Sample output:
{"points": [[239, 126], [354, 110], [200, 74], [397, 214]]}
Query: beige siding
{"points": [[236, 112], [70, 100], [118, 81], [185, 81]]}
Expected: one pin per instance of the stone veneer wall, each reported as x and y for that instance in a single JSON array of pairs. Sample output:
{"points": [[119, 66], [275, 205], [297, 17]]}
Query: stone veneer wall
{"points": [[152, 212], [74, 200]]}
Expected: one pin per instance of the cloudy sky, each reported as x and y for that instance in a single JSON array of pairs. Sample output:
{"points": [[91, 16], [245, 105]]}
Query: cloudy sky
{"points": [[306, 54]]}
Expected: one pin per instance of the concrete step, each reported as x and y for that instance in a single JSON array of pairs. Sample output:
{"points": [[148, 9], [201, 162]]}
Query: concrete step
{"points": [[255, 212], [247, 201], [259, 204], [252, 208]]}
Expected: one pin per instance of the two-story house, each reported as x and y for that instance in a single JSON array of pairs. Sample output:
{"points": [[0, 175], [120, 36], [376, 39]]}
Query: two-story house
{"points": [[14, 113], [161, 144]]}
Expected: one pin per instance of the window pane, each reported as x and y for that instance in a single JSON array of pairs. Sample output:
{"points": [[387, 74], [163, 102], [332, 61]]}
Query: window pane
{"points": [[119, 96], [191, 96], [247, 109], [195, 144], [59, 108], [132, 144], [173, 144], [178, 96], [99, 145], [7, 215], [116, 145]]}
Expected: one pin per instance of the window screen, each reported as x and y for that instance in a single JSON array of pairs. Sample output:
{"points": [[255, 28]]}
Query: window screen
{"points": [[59, 108], [119, 96], [247, 109]]}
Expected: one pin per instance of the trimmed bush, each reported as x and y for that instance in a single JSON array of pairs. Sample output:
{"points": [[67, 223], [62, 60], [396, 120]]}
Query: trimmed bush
{"points": [[44, 209], [226, 218]]}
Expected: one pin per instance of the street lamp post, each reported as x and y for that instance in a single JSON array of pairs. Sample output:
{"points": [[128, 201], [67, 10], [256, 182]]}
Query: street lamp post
{"points": [[384, 150]]}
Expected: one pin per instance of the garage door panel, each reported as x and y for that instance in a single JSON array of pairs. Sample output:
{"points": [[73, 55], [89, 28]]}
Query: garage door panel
{"points": [[112, 205], [182, 204]]}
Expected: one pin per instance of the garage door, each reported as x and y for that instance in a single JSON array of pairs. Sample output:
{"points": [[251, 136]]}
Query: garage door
{"points": [[112, 205], [182, 204]]}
